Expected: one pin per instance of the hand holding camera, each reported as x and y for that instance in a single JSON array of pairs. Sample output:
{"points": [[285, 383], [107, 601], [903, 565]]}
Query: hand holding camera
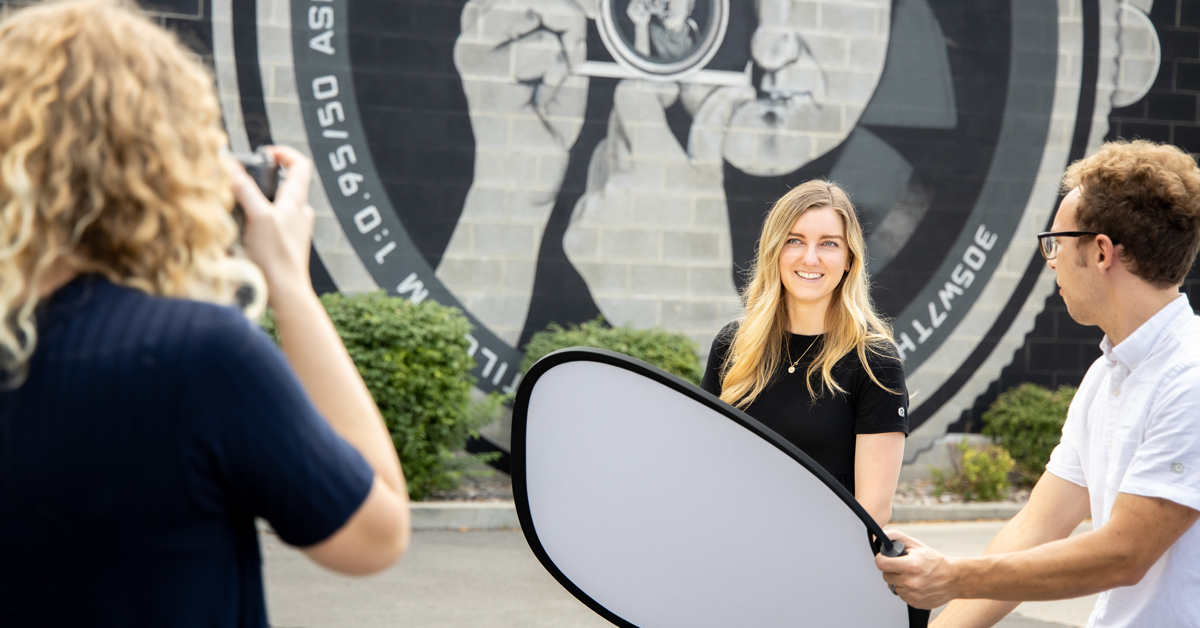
{"points": [[277, 235], [262, 167]]}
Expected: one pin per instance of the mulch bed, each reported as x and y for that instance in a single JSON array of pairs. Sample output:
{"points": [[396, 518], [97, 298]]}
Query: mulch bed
{"points": [[497, 486], [478, 487], [921, 493]]}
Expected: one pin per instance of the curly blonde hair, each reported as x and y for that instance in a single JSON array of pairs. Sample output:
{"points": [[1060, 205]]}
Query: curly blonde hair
{"points": [[110, 163], [851, 323]]}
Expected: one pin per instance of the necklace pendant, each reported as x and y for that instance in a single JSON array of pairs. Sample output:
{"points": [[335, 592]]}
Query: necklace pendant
{"points": [[791, 369]]}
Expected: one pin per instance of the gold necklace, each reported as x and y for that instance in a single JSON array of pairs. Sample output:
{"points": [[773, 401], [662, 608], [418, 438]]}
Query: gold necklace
{"points": [[792, 368]]}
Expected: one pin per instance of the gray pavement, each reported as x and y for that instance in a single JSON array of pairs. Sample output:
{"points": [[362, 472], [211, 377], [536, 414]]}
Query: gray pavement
{"points": [[446, 580], [491, 579]]}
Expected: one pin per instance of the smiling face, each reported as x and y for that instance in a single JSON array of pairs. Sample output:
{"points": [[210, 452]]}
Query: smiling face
{"points": [[813, 260]]}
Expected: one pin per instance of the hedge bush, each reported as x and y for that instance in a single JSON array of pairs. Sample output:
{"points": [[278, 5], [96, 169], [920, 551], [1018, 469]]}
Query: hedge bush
{"points": [[979, 474], [674, 353], [1027, 422], [414, 361]]}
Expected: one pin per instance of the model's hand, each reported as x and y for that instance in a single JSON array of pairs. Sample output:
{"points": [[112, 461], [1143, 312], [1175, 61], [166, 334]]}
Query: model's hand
{"points": [[278, 236], [923, 577]]}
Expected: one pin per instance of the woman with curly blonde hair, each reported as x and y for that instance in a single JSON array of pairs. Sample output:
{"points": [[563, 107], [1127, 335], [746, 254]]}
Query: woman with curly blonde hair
{"points": [[810, 358], [145, 421]]}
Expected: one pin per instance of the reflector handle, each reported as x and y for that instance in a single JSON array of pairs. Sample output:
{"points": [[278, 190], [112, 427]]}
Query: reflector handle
{"points": [[892, 549], [881, 544]]}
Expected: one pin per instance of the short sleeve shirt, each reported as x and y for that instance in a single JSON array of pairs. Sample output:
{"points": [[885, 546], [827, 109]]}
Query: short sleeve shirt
{"points": [[825, 428], [1134, 427], [149, 434]]}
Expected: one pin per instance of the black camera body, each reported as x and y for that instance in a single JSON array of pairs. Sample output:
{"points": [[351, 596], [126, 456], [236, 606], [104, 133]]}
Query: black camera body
{"points": [[261, 167]]}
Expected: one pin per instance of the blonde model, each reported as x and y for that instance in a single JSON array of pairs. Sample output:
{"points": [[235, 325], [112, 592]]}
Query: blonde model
{"points": [[810, 358]]}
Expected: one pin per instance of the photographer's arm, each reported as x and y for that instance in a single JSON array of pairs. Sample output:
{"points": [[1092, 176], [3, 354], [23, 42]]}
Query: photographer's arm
{"points": [[278, 237]]}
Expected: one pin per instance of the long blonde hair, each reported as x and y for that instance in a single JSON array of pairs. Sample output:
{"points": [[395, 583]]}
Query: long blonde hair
{"points": [[110, 144], [851, 323]]}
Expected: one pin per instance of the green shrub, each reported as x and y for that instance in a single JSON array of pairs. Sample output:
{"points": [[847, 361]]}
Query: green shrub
{"points": [[414, 361], [978, 474], [674, 353], [1027, 421]]}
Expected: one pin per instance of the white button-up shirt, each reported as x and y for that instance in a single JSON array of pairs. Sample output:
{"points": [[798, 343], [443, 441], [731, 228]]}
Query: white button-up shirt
{"points": [[1134, 427]]}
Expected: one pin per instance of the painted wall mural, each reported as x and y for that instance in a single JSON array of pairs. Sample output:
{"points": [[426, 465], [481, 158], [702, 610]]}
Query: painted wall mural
{"points": [[534, 161]]}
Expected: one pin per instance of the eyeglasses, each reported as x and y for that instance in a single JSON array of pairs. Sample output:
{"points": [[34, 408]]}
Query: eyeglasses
{"points": [[1048, 241]]}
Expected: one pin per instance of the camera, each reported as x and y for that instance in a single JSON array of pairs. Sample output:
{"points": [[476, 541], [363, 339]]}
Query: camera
{"points": [[261, 167]]}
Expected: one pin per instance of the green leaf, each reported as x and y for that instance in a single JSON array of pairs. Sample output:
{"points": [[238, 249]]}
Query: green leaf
{"points": [[413, 359], [674, 353], [979, 474], [1027, 422]]}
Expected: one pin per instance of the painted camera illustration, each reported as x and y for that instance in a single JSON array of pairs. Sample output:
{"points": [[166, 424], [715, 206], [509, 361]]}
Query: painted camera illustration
{"points": [[555, 161], [665, 39]]}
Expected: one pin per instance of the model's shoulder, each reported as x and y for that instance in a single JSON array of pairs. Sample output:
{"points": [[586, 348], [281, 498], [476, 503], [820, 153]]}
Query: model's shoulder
{"points": [[724, 338], [884, 353], [880, 354]]}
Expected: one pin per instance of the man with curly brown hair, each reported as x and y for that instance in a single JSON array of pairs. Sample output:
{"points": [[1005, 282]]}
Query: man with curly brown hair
{"points": [[1122, 242]]}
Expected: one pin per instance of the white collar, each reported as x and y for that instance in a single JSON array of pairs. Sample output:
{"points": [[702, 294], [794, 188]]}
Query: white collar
{"points": [[1134, 349]]}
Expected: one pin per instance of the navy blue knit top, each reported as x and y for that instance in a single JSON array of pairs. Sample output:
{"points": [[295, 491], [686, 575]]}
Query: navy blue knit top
{"points": [[148, 435]]}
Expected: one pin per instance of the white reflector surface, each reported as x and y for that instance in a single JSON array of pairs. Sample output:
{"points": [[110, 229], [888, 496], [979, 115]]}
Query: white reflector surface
{"points": [[670, 514]]}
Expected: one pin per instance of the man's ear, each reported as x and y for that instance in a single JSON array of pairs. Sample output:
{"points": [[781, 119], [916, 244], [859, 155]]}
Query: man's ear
{"points": [[1107, 250]]}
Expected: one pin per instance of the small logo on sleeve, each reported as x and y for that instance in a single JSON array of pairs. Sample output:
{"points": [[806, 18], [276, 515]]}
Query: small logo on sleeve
{"points": [[902, 414], [1177, 467]]}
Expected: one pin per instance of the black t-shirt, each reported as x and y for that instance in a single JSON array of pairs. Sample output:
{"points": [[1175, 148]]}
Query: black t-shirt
{"points": [[824, 430], [133, 460]]}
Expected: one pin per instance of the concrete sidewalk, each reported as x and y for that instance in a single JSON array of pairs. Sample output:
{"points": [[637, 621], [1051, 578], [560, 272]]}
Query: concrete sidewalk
{"points": [[469, 579], [501, 515]]}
